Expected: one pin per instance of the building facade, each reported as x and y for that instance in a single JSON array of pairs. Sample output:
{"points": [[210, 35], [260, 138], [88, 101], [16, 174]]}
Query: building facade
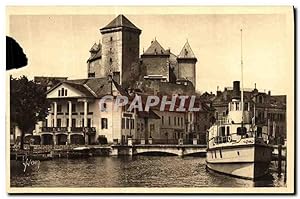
{"points": [[269, 110]]}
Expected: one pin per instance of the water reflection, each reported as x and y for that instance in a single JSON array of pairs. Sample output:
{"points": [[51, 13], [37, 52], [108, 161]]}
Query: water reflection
{"points": [[136, 171]]}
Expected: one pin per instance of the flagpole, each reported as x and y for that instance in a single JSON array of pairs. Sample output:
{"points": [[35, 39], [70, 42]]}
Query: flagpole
{"points": [[242, 78]]}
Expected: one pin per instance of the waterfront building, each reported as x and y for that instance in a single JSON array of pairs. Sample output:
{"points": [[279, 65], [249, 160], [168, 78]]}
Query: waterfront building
{"points": [[115, 67], [268, 109], [76, 117]]}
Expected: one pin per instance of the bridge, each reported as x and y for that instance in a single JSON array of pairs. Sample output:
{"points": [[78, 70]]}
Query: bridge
{"points": [[179, 149]]}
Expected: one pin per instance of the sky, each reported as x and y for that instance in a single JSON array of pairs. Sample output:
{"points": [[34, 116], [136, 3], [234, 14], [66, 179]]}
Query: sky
{"points": [[58, 44]]}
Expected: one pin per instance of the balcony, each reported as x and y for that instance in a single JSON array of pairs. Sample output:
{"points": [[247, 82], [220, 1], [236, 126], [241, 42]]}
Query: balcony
{"points": [[54, 129], [83, 129], [65, 129]]}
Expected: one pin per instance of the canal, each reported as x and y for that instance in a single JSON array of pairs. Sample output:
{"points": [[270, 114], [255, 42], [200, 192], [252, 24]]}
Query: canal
{"points": [[136, 171]]}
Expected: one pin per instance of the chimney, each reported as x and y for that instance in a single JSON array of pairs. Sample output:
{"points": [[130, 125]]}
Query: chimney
{"points": [[116, 77], [236, 90]]}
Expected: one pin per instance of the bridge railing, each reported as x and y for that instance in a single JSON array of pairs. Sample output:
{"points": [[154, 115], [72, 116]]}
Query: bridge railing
{"points": [[162, 141], [165, 141]]}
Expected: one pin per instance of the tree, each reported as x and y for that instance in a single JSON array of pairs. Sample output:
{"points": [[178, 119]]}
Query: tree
{"points": [[28, 104]]}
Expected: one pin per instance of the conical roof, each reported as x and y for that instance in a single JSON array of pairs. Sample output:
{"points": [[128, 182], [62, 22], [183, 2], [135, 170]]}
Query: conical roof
{"points": [[95, 47], [187, 52], [120, 21]]}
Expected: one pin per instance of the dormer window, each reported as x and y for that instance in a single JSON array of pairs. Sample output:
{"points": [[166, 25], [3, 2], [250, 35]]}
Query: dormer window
{"points": [[58, 92]]}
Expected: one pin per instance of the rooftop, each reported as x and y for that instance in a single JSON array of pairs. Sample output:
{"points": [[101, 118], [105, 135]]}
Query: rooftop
{"points": [[156, 49], [120, 21], [187, 52]]}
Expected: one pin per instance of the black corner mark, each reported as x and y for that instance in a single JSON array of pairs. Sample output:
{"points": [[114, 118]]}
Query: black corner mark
{"points": [[15, 57]]}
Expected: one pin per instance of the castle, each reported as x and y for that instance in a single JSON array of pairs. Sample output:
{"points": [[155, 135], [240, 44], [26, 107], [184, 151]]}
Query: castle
{"points": [[156, 71], [116, 68]]}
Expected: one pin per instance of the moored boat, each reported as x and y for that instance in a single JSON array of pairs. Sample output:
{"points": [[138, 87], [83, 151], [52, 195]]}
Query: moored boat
{"points": [[236, 145]]}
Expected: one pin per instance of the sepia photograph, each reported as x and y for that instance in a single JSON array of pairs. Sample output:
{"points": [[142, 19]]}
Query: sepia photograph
{"points": [[150, 99]]}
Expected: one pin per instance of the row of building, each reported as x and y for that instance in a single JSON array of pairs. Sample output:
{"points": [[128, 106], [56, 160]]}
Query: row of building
{"points": [[115, 68]]}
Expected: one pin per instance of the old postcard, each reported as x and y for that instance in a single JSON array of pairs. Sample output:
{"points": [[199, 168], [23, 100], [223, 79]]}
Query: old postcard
{"points": [[150, 100]]}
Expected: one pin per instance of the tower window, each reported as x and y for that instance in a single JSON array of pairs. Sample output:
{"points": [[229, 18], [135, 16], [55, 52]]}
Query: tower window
{"points": [[110, 49], [91, 74], [110, 60], [111, 38], [186, 52]]}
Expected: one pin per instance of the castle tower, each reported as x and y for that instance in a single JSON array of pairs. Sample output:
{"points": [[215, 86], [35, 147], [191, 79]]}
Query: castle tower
{"points": [[94, 62], [120, 48], [187, 64]]}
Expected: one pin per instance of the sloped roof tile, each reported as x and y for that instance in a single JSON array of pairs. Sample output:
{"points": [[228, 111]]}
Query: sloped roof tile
{"points": [[156, 49], [81, 88], [120, 21], [95, 48], [95, 87]]}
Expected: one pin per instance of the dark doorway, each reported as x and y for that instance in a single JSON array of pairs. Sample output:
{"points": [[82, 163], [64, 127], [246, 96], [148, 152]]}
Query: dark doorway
{"points": [[61, 139], [47, 139], [77, 139]]}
